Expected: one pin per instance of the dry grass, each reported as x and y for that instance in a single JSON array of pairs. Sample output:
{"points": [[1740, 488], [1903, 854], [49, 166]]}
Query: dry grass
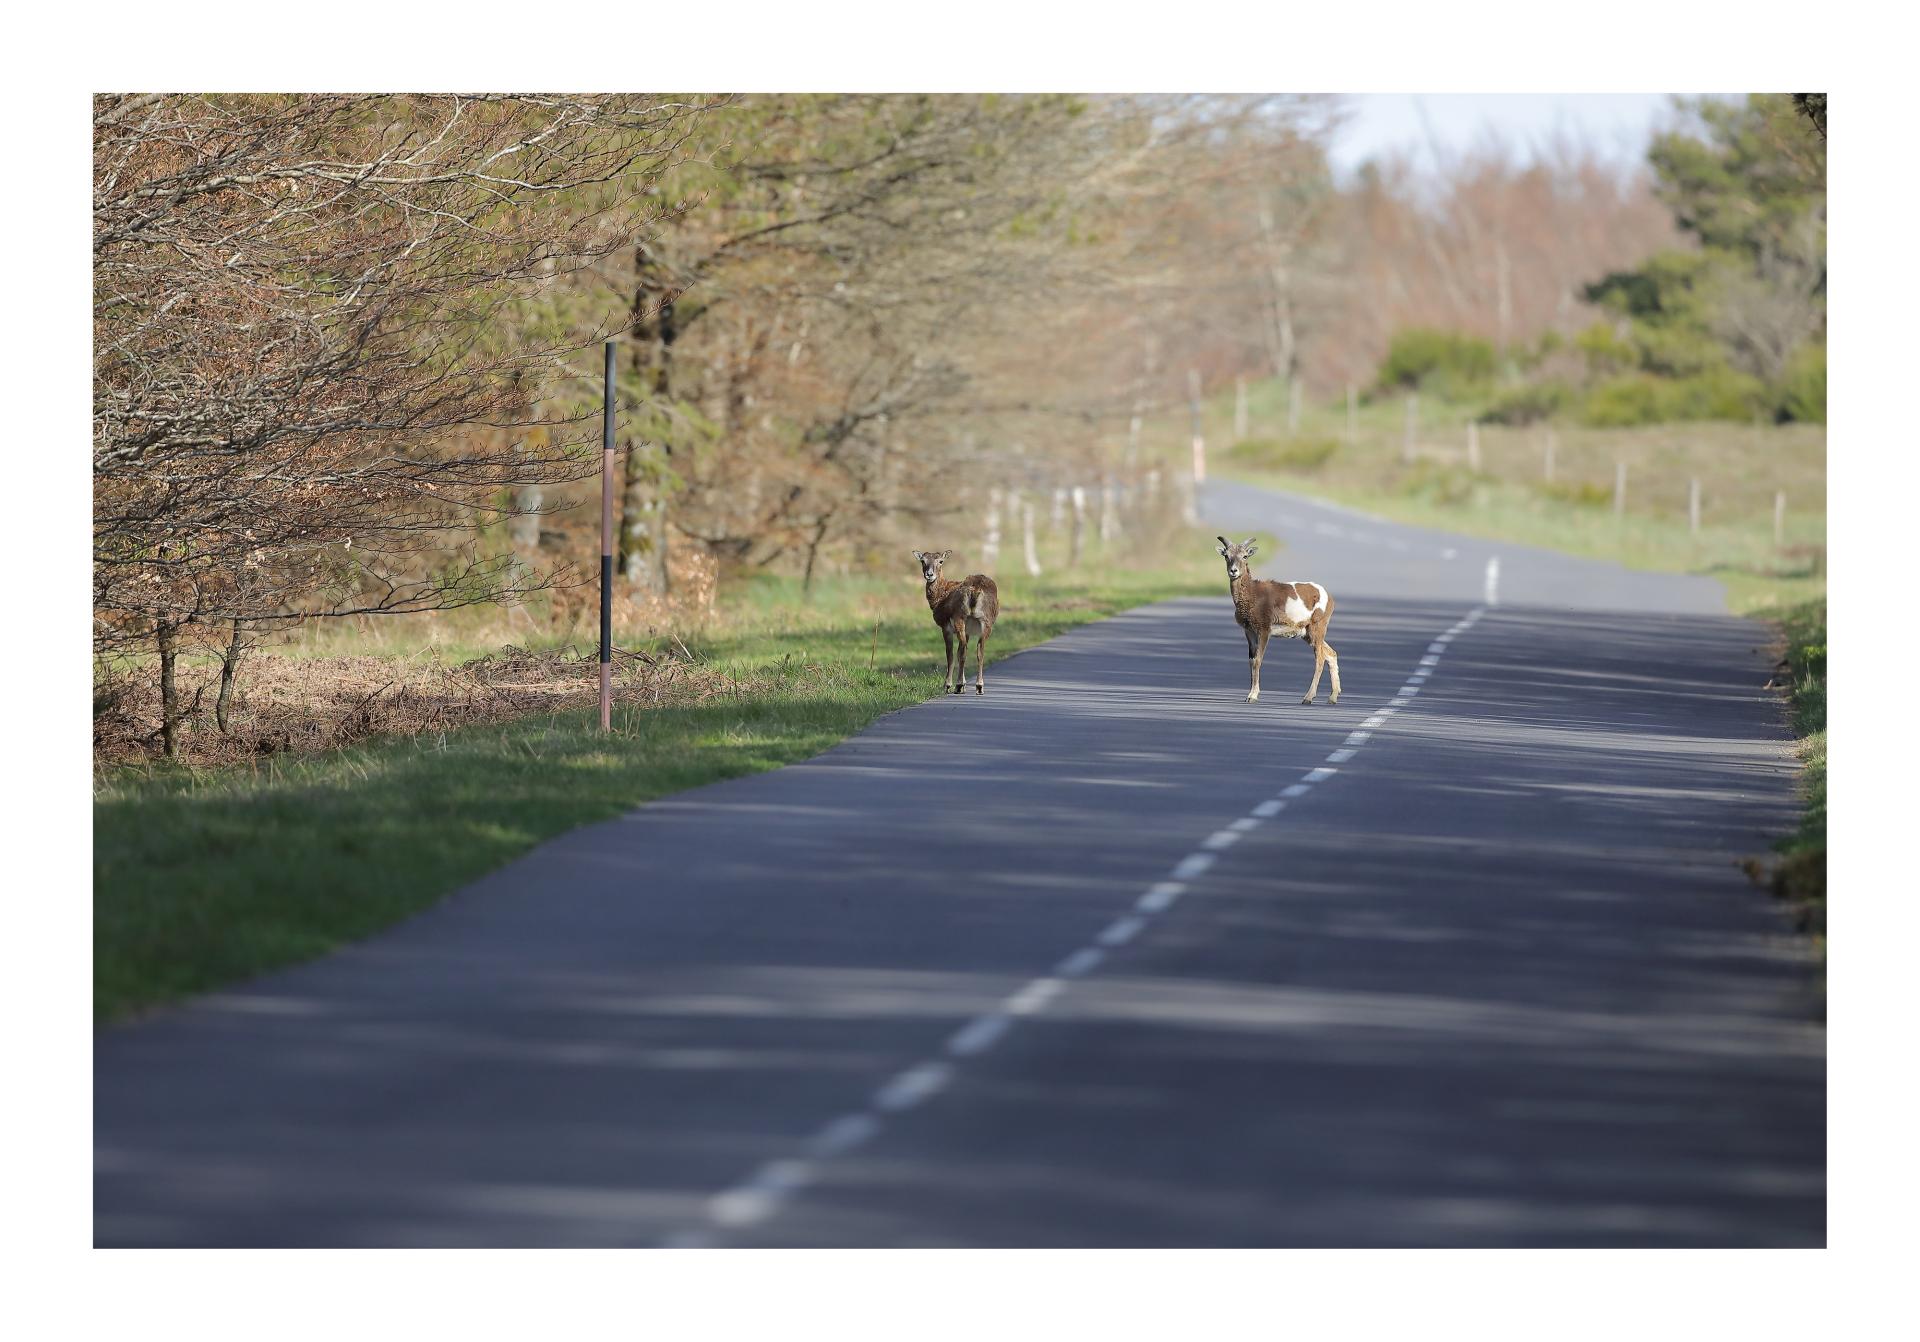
{"points": [[311, 703]]}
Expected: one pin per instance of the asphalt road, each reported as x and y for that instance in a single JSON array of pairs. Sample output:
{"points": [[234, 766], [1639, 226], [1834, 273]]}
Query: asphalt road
{"points": [[1108, 957]]}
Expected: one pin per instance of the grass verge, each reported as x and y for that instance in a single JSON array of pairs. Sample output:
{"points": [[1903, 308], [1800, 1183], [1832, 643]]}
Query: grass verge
{"points": [[206, 876], [1800, 876]]}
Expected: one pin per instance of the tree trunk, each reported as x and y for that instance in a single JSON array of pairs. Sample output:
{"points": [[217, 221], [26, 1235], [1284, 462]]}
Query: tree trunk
{"points": [[643, 506], [229, 664], [813, 554]]}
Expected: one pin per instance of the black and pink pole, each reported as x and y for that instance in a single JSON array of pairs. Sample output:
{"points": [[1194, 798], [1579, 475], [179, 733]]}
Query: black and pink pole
{"points": [[606, 550]]}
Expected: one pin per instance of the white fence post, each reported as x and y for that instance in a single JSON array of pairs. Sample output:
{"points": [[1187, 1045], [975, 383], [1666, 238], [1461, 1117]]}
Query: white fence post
{"points": [[1619, 489], [1026, 527], [1293, 404], [1239, 409], [1079, 524], [1693, 507], [990, 551], [1779, 518]]}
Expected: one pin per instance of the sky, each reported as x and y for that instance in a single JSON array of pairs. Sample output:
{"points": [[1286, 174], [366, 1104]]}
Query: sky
{"points": [[1618, 124]]}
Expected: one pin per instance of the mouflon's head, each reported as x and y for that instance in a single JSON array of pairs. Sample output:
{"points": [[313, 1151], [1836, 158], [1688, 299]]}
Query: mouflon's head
{"points": [[1236, 556], [930, 562]]}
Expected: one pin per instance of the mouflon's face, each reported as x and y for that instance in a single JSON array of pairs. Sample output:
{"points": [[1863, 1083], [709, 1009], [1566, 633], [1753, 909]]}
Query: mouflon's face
{"points": [[930, 563], [1236, 556]]}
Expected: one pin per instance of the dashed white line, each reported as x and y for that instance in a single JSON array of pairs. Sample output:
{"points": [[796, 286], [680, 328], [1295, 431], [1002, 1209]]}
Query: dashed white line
{"points": [[852, 1130], [979, 1035], [1081, 962], [1161, 897], [758, 1196], [1493, 581], [1189, 867], [1034, 996], [912, 1086]]}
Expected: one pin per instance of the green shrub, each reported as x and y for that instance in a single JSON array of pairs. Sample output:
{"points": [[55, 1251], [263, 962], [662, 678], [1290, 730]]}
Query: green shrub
{"points": [[1624, 401], [1803, 387], [1605, 350], [1526, 405], [1642, 398], [1275, 454], [1421, 358]]}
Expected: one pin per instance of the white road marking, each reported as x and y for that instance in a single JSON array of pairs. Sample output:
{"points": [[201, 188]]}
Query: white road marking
{"points": [[1340, 757], [1401, 700], [851, 1130], [1270, 808], [1358, 738], [979, 1035], [1220, 838], [1161, 897], [1083, 961], [1378, 719], [1190, 867], [1034, 996], [1246, 822], [1449, 554], [1295, 790], [1122, 930], [912, 1086], [754, 1199], [1320, 775], [1429, 660], [1436, 647]]}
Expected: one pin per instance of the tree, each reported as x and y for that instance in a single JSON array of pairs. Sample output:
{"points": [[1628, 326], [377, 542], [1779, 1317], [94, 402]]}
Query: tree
{"points": [[301, 307]]}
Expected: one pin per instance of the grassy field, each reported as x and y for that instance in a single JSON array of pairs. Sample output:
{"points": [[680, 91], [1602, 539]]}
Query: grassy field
{"points": [[203, 876], [1740, 467]]}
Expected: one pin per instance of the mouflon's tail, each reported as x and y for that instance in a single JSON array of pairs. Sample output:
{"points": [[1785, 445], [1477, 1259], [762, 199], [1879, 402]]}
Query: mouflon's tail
{"points": [[976, 598]]}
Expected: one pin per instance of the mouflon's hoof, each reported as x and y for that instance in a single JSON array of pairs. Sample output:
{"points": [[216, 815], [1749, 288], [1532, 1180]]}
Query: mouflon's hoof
{"points": [[1307, 700]]}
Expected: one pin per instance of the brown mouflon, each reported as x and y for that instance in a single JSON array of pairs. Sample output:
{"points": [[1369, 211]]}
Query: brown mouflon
{"points": [[1289, 609], [961, 609]]}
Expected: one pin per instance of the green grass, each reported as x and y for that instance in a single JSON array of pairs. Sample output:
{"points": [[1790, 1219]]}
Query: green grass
{"points": [[207, 876], [1801, 876]]}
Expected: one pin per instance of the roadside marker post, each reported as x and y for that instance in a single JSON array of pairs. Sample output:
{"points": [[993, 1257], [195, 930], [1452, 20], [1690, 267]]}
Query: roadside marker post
{"points": [[606, 547]]}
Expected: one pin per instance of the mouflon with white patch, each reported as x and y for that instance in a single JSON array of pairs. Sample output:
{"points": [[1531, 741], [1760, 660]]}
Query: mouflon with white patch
{"points": [[1288, 609], [963, 610]]}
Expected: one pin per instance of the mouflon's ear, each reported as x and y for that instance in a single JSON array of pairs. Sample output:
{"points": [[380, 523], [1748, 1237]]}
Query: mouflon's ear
{"points": [[944, 556], [917, 555], [1249, 548], [1223, 544]]}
